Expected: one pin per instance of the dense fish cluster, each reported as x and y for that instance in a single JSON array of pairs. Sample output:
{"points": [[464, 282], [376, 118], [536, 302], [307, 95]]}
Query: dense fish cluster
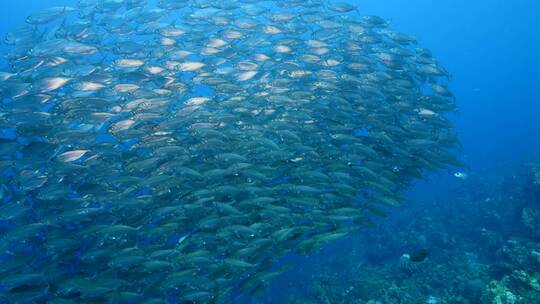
{"points": [[175, 151]]}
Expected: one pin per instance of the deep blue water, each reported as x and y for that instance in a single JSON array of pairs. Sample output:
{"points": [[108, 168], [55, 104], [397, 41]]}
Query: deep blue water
{"points": [[490, 47]]}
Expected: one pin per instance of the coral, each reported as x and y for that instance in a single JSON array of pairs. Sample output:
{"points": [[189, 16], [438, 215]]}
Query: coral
{"points": [[498, 293], [516, 252], [473, 290], [536, 174], [516, 288], [535, 256], [398, 294], [531, 219], [502, 216], [523, 282], [433, 300], [492, 238]]}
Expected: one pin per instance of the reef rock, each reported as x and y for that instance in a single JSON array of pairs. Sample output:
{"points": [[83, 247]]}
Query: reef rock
{"points": [[531, 219], [498, 293]]}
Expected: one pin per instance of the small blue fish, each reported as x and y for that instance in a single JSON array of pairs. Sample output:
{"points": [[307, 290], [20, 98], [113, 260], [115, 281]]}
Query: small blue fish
{"points": [[461, 175]]}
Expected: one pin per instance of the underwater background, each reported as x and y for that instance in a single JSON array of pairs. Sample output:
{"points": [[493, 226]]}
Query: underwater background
{"points": [[480, 233]]}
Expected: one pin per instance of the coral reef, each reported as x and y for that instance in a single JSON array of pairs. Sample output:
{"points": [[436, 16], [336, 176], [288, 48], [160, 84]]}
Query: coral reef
{"points": [[498, 293], [536, 173], [483, 240], [518, 287]]}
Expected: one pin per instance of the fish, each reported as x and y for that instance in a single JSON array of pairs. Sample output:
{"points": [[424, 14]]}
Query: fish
{"points": [[190, 66], [129, 63], [418, 256], [178, 151], [51, 84], [461, 175], [341, 7], [71, 156], [48, 15]]}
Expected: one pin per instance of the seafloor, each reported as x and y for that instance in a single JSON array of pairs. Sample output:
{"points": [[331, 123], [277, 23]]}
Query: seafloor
{"points": [[483, 240]]}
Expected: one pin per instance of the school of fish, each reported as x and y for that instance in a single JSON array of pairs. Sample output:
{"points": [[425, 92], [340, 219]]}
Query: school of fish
{"points": [[174, 151]]}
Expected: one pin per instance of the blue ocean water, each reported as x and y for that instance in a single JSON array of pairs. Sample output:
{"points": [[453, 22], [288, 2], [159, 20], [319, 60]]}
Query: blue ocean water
{"points": [[491, 49], [488, 47]]}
